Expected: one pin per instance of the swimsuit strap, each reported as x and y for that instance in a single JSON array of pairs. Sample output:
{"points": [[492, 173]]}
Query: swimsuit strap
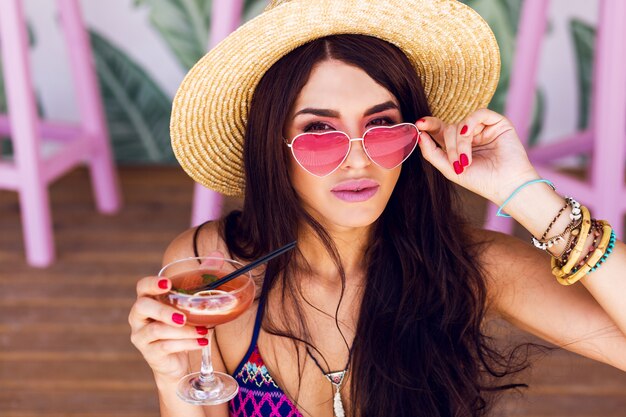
{"points": [[195, 238], [257, 325], [255, 334]]}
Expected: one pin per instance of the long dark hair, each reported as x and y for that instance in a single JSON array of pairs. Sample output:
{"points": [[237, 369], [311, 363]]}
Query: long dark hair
{"points": [[419, 348]]}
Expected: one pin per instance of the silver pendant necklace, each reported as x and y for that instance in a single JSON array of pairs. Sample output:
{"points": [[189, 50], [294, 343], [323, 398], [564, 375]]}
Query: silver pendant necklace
{"points": [[336, 378]]}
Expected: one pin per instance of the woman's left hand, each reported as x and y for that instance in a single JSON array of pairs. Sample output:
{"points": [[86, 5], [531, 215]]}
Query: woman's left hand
{"points": [[482, 153]]}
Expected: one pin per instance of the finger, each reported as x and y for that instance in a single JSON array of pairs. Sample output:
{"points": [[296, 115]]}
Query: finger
{"points": [[145, 310], [160, 331], [435, 155], [151, 286], [463, 148], [474, 124], [178, 346], [434, 126], [451, 137]]}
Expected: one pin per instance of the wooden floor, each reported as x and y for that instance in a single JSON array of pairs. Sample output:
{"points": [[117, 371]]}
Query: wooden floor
{"points": [[64, 337]]}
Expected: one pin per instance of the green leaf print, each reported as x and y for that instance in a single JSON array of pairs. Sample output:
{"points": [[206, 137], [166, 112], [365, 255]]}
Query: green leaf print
{"points": [[137, 110], [184, 25], [584, 36], [252, 8]]}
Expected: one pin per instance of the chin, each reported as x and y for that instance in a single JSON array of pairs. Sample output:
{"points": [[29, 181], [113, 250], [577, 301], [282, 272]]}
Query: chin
{"points": [[353, 218]]}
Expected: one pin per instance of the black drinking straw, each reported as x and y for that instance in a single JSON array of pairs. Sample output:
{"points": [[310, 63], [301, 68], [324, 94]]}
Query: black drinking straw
{"points": [[245, 269]]}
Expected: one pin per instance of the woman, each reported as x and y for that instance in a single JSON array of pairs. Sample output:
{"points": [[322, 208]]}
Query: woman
{"points": [[388, 285]]}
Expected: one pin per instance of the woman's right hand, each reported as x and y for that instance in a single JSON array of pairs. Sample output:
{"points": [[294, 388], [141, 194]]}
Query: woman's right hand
{"points": [[159, 332]]}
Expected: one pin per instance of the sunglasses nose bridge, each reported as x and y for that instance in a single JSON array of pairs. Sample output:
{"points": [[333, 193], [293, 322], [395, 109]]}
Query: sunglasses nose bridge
{"points": [[363, 158]]}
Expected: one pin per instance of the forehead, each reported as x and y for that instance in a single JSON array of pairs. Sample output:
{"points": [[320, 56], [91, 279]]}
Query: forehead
{"points": [[334, 84]]}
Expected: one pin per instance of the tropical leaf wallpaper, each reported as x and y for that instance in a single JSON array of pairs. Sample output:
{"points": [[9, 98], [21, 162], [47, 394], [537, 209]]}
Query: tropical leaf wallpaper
{"points": [[138, 109]]}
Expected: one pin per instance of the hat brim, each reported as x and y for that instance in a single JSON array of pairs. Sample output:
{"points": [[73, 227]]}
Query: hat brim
{"points": [[450, 46]]}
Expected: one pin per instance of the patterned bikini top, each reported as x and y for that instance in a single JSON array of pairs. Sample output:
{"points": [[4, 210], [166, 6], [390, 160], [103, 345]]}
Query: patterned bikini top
{"points": [[259, 395]]}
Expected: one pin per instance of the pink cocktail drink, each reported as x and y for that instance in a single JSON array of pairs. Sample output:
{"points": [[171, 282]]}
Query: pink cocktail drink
{"points": [[209, 308]]}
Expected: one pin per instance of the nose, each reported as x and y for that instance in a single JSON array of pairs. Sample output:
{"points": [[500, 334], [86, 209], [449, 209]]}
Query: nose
{"points": [[357, 157]]}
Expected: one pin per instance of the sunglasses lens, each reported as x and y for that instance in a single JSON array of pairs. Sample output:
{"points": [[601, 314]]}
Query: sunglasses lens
{"points": [[320, 153], [390, 146]]}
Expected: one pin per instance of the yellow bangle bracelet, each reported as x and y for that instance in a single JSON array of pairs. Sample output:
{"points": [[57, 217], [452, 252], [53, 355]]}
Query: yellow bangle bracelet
{"points": [[593, 259], [578, 249]]}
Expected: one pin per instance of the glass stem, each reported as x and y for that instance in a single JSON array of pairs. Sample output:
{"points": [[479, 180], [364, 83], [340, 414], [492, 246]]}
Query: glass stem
{"points": [[206, 371]]}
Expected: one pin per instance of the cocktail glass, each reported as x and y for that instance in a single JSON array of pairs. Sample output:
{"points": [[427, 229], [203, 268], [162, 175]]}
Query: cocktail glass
{"points": [[208, 309]]}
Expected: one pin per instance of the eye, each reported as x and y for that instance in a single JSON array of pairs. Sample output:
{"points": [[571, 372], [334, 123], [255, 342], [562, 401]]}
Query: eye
{"points": [[382, 121], [318, 127]]}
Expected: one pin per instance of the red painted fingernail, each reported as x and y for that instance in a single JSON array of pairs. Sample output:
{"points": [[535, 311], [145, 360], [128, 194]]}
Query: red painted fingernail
{"points": [[464, 130], [203, 341], [178, 318], [163, 284], [421, 120], [202, 330], [464, 160], [457, 167]]}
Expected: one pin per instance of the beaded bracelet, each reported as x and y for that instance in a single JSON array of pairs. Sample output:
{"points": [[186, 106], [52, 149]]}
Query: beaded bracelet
{"points": [[559, 271], [598, 254], [609, 250], [554, 221], [575, 215], [571, 242]]}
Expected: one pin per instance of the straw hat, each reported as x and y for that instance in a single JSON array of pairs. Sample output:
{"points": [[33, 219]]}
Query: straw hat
{"points": [[451, 47]]}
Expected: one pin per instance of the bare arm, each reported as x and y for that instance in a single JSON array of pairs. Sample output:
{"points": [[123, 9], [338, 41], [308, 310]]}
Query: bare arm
{"points": [[525, 293], [588, 317]]}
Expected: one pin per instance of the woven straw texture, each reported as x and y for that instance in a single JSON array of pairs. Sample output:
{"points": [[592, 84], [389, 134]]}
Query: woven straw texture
{"points": [[451, 47]]}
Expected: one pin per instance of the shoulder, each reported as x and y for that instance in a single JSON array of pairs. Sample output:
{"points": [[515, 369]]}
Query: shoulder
{"points": [[206, 238]]}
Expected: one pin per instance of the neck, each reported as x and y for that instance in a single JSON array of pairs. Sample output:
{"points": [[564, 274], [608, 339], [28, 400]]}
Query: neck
{"points": [[350, 243]]}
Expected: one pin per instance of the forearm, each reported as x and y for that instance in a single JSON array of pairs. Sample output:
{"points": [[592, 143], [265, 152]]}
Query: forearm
{"points": [[535, 207]]}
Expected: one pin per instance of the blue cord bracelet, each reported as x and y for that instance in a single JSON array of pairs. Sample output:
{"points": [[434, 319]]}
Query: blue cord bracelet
{"points": [[517, 190]]}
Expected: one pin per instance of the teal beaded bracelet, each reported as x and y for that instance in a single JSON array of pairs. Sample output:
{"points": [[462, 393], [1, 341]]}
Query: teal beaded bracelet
{"points": [[609, 250]]}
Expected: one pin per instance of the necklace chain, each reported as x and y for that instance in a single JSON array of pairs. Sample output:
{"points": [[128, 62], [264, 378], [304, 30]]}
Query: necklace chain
{"points": [[345, 369], [336, 379]]}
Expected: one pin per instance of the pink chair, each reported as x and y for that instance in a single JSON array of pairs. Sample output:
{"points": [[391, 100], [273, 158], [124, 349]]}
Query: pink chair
{"points": [[30, 173], [605, 139], [226, 17]]}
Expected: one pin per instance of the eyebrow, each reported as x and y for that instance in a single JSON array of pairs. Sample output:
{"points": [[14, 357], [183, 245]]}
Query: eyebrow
{"points": [[333, 113]]}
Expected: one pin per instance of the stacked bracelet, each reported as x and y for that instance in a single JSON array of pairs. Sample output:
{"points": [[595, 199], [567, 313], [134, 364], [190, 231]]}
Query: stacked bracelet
{"points": [[599, 255], [583, 232], [595, 231], [567, 267], [575, 216]]}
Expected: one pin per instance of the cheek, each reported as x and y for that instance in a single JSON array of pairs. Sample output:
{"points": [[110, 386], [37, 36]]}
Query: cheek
{"points": [[308, 187]]}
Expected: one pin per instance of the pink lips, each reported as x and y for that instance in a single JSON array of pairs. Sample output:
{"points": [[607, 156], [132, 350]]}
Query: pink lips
{"points": [[355, 190]]}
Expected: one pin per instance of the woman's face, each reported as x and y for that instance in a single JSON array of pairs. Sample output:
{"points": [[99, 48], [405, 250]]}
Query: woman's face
{"points": [[341, 97]]}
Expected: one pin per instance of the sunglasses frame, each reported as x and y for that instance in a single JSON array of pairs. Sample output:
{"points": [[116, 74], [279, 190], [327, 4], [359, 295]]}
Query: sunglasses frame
{"points": [[290, 146]]}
